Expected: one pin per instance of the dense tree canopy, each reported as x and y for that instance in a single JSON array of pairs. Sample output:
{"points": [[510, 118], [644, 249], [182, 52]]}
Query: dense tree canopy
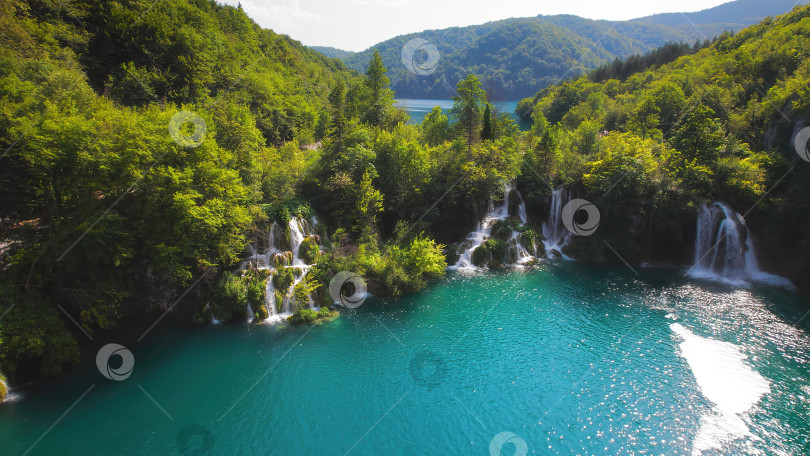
{"points": [[651, 143]]}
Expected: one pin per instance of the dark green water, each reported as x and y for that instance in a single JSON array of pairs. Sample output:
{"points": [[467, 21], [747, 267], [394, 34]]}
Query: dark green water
{"points": [[570, 358]]}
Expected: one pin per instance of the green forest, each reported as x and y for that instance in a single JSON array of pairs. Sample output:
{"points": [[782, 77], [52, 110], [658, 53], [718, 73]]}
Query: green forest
{"points": [[514, 58], [146, 146], [718, 124]]}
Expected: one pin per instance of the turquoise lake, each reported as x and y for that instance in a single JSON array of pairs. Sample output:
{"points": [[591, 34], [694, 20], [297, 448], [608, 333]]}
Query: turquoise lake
{"points": [[569, 359], [418, 109]]}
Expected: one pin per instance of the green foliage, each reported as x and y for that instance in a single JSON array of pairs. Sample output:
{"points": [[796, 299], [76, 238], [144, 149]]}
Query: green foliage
{"points": [[32, 331], [283, 278], [284, 212], [122, 216], [304, 290], [516, 57], [670, 133], [467, 106], [492, 253], [230, 297], [380, 96], [487, 130], [302, 316], [436, 127], [307, 316], [310, 250]]}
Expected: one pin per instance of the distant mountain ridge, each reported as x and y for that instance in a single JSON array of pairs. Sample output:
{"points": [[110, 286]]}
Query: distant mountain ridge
{"points": [[740, 12], [333, 53], [516, 57]]}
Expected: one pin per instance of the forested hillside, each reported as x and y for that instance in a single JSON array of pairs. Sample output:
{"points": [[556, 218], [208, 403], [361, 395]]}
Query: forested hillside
{"points": [[137, 142], [148, 152], [515, 57], [147, 148], [647, 145]]}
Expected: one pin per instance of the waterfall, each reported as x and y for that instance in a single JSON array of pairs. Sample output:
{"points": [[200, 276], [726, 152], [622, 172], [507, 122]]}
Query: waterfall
{"points": [[249, 313], [554, 231], [299, 231], [724, 249], [297, 227], [483, 232], [268, 260], [270, 301], [214, 320]]}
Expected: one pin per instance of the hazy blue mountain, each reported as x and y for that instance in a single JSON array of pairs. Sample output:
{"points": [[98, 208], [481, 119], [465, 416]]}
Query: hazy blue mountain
{"points": [[737, 13], [332, 53], [515, 57]]}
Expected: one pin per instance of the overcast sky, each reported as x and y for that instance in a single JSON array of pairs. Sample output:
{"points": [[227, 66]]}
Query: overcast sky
{"points": [[356, 25]]}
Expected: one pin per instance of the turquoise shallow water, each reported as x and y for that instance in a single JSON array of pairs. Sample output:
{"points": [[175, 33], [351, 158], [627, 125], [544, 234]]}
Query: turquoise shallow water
{"points": [[572, 359], [418, 109]]}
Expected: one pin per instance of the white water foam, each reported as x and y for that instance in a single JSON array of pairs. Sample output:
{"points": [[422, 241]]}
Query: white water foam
{"points": [[725, 251], [484, 230], [727, 381]]}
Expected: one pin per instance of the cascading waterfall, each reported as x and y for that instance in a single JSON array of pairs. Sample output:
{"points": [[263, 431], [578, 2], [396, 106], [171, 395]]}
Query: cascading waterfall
{"points": [[495, 214], [724, 249], [299, 230], [554, 231], [249, 313], [297, 227]]}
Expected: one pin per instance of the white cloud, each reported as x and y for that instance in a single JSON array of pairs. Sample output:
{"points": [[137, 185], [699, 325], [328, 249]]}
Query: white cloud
{"points": [[290, 16], [381, 2]]}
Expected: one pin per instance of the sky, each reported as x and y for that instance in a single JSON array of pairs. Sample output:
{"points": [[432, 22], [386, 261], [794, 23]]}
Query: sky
{"points": [[356, 25]]}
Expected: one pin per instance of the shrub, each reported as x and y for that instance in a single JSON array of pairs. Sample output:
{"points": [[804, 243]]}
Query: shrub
{"points": [[230, 297], [304, 316], [283, 278]]}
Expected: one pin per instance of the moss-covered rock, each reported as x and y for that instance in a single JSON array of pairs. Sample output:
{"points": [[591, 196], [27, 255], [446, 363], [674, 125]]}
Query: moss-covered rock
{"points": [[491, 252], [260, 312], [587, 249], [494, 264], [480, 256], [306, 316], [514, 204], [310, 250], [3, 387], [451, 254], [280, 260], [279, 300], [502, 229], [497, 249]]}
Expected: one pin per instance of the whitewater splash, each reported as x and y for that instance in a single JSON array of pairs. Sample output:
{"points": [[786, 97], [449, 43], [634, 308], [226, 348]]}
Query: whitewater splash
{"points": [[555, 234], [724, 249], [483, 232], [727, 381]]}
